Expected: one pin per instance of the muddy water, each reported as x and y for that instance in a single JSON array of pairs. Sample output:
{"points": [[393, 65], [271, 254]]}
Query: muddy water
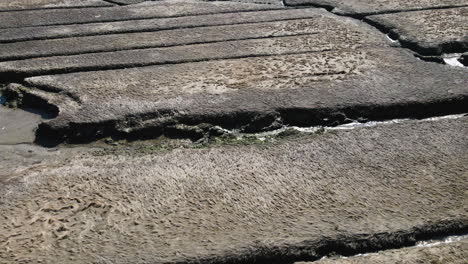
{"points": [[17, 126]]}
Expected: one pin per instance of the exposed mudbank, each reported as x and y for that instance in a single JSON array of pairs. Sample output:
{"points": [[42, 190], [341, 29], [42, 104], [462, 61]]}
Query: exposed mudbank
{"points": [[197, 127]]}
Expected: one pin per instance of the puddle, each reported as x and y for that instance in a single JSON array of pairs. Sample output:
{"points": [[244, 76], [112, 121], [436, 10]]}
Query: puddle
{"points": [[17, 126], [453, 60]]}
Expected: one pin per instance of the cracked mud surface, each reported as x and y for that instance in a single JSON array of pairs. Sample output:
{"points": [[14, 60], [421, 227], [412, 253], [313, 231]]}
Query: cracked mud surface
{"points": [[163, 100]]}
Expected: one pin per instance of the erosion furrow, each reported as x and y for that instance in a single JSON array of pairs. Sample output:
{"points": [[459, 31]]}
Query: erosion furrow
{"points": [[20, 5], [177, 37], [162, 9], [151, 25]]}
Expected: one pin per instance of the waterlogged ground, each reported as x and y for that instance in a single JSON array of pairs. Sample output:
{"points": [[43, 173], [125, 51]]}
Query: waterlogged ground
{"points": [[244, 131]]}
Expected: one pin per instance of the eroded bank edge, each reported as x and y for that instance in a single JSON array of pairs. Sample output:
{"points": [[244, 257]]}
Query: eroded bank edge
{"points": [[196, 127], [431, 54], [343, 245]]}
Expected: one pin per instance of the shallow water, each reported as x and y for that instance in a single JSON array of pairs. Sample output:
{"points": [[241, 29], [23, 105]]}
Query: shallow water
{"points": [[453, 60], [445, 240], [17, 126]]}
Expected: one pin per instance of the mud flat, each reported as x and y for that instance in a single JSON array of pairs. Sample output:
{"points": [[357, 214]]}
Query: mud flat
{"points": [[148, 10], [316, 68], [177, 37], [296, 31], [345, 192], [121, 82]]}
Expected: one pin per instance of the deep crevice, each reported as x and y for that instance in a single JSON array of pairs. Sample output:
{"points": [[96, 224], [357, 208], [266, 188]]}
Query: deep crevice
{"points": [[464, 60], [114, 2], [344, 245], [167, 122]]}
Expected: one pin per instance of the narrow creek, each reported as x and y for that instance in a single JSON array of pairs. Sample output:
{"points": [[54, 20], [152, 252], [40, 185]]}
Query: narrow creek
{"points": [[353, 125], [420, 244]]}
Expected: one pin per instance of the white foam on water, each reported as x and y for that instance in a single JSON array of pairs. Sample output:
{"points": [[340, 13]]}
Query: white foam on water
{"points": [[436, 242], [349, 126], [427, 243], [392, 40], [453, 60]]}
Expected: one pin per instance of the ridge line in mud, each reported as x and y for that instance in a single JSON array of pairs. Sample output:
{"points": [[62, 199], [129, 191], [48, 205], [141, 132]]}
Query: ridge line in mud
{"points": [[18, 58], [140, 18], [16, 76], [158, 30]]}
